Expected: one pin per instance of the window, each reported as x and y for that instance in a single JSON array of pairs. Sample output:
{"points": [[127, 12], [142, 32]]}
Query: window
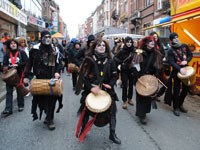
{"points": [[147, 3], [159, 4]]}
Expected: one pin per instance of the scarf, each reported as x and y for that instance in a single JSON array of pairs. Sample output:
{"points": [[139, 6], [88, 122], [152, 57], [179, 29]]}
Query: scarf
{"points": [[180, 54]]}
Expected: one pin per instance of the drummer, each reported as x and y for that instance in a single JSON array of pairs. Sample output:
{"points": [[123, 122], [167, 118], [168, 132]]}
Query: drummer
{"points": [[98, 72], [44, 60], [179, 56], [148, 66], [14, 58]]}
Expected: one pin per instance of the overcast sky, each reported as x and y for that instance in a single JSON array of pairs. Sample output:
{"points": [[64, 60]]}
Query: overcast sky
{"points": [[74, 12]]}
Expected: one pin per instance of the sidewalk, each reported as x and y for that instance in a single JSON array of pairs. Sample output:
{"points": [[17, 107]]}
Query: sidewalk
{"points": [[2, 90]]}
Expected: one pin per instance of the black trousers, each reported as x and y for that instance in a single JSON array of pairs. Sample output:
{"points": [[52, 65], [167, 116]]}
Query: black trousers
{"points": [[74, 78], [127, 85], [45, 103], [178, 94], [143, 105]]}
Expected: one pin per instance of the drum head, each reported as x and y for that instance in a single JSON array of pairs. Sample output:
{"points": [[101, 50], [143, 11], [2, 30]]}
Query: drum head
{"points": [[147, 85], [98, 103], [190, 72], [11, 72]]}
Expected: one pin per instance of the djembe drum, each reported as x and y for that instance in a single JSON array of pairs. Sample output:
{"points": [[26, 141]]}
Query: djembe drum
{"points": [[72, 68], [189, 78], [11, 78], [46, 87], [147, 85], [99, 105]]}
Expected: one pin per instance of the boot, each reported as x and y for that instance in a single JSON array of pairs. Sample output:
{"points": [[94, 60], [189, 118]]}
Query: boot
{"points": [[176, 112], [182, 109], [51, 125], [124, 105], [143, 120], [130, 101], [113, 137]]}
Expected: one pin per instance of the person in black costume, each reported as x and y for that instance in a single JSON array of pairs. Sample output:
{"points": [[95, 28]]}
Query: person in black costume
{"points": [[84, 51], [44, 60], [72, 59], [98, 72], [179, 56], [148, 66], [125, 58]]}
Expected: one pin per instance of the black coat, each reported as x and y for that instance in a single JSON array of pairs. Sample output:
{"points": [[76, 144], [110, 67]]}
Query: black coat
{"points": [[37, 63]]}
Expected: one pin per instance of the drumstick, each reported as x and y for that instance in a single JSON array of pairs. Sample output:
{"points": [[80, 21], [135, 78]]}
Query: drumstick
{"points": [[162, 83], [142, 83]]}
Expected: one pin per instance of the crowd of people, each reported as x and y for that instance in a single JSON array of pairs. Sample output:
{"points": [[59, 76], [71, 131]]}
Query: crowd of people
{"points": [[94, 68]]}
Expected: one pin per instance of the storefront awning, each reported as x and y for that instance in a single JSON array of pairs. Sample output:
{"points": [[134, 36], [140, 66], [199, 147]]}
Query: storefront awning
{"points": [[159, 25], [193, 14]]}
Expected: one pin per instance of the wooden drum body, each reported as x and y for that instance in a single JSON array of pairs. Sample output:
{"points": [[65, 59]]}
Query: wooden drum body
{"points": [[188, 79], [147, 85], [72, 68], [99, 104], [11, 77], [43, 87]]}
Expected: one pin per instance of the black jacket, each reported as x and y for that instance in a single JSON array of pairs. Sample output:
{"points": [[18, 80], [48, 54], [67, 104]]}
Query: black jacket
{"points": [[37, 63]]}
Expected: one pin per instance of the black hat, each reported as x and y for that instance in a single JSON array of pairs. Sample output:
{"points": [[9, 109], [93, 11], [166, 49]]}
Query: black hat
{"points": [[90, 38], [44, 32], [173, 35], [77, 42]]}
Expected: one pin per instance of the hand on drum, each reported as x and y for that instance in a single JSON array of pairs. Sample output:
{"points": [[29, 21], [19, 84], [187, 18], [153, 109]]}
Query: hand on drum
{"points": [[57, 75], [183, 63], [107, 86], [183, 71], [26, 80], [95, 90]]}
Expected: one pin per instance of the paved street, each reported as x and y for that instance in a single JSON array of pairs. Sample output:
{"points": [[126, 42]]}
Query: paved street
{"points": [[164, 131]]}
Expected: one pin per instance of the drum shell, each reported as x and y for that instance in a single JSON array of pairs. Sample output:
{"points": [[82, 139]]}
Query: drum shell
{"points": [[102, 119], [42, 87], [72, 68], [188, 79], [11, 77], [22, 90]]}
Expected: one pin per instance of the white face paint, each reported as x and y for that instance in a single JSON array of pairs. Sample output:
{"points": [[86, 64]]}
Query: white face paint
{"points": [[129, 43], [151, 44], [46, 40], [13, 45], [101, 47]]}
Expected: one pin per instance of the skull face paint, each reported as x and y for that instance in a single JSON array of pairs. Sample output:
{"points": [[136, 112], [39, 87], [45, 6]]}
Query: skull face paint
{"points": [[100, 47], [151, 44], [46, 40], [129, 43]]}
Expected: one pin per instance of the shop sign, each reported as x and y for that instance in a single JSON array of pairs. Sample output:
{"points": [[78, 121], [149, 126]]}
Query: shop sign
{"points": [[179, 6], [36, 21], [195, 62], [12, 11]]}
